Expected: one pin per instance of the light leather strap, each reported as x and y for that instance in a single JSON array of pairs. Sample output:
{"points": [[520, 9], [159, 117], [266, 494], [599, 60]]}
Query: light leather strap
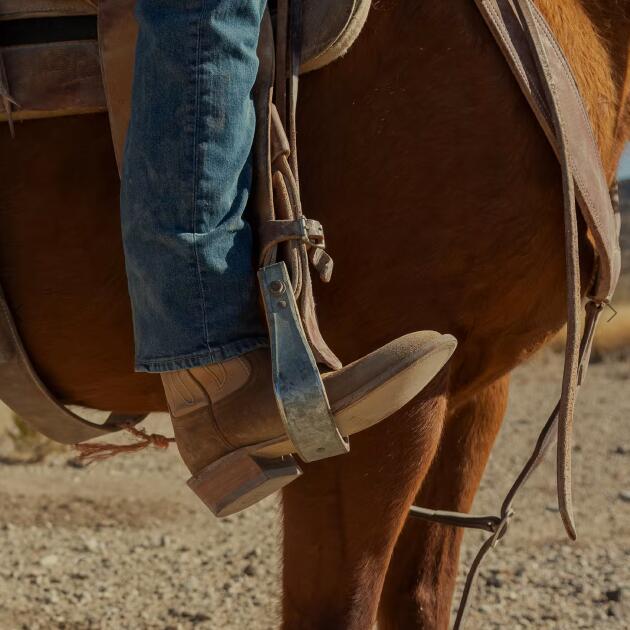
{"points": [[49, 89], [562, 127], [591, 186], [285, 177], [23, 391], [548, 83], [573, 143]]}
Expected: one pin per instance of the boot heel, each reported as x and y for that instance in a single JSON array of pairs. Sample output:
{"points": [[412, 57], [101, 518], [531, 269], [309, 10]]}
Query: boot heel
{"points": [[241, 479]]}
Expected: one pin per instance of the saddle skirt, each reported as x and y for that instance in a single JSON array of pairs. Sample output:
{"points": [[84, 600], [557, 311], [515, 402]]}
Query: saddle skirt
{"points": [[81, 76]]}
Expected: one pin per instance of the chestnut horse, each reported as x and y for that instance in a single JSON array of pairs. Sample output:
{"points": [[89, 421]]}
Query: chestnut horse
{"points": [[442, 203]]}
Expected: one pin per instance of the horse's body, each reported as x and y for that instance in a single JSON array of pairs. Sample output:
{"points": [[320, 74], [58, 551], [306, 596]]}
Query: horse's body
{"points": [[442, 204]]}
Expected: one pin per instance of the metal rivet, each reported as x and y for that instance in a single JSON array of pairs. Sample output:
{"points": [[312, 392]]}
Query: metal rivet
{"points": [[282, 304], [277, 287]]}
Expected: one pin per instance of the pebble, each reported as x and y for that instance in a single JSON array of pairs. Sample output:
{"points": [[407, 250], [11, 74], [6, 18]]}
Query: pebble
{"points": [[624, 495], [250, 570], [494, 581], [49, 561]]}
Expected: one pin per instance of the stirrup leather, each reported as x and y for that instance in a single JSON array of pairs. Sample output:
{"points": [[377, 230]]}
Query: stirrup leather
{"points": [[289, 244]]}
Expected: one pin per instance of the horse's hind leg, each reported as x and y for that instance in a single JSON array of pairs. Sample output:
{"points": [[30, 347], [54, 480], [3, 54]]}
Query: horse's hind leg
{"points": [[423, 570], [342, 519]]}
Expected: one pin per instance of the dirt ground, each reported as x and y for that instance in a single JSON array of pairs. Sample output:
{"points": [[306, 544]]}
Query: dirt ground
{"points": [[124, 544]]}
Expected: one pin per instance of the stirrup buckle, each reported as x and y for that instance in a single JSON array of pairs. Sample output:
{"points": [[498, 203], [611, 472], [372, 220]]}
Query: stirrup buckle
{"points": [[311, 233]]}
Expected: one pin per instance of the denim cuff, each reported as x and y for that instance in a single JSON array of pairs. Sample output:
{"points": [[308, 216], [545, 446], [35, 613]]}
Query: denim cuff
{"points": [[212, 355]]}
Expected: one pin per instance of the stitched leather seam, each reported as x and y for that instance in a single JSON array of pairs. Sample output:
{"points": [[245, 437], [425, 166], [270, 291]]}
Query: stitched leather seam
{"points": [[219, 432]]}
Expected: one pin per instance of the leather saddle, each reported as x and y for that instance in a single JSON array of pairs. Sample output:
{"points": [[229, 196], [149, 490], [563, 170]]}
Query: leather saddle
{"points": [[92, 70]]}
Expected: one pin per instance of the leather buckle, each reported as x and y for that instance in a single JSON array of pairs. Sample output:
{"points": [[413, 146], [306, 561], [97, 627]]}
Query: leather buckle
{"points": [[311, 233]]}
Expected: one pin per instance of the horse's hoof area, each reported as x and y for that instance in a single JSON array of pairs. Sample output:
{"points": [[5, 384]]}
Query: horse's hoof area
{"points": [[401, 370], [240, 479]]}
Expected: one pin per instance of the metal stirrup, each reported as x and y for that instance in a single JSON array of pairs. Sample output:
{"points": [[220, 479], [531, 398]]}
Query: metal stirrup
{"points": [[298, 386]]}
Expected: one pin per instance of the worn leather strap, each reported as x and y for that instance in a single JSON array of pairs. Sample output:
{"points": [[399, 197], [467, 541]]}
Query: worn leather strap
{"points": [[557, 102], [28, 9], [545, 76], [297, 251], [35, 80], [24, 392], [562, 127], [592, 187], [307, 231], [27, 94], [498, 525]]}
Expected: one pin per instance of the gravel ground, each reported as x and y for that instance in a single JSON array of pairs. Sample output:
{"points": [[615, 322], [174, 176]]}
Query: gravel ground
{"points": [[122, 545]]}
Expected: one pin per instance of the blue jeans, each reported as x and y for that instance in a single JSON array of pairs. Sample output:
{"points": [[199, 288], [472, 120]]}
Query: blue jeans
{"points": [[186, 182]]}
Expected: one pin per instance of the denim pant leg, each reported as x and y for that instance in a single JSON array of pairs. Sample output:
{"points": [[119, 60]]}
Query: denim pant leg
{"points": [[186, 182]]}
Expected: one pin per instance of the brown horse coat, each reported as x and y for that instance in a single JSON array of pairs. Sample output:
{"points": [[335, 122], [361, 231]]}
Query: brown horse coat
{"points": [[442, 204]]}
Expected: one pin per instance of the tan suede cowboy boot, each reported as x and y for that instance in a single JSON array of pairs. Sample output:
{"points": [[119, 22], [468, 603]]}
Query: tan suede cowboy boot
{"points": [[230, 433]]}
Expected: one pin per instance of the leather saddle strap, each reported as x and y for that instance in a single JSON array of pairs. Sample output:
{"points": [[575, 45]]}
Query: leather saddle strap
{"points": [[572, 255], [592, 189], [298, 252], [24, 392], [578, 351], [21, 387], [547, 81]]}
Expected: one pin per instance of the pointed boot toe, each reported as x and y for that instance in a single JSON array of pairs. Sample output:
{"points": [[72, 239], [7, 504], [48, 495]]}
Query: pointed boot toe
{"points": [[373, 388]]}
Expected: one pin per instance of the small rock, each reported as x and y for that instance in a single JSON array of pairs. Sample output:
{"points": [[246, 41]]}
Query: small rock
{"points": [[75, 462], [613, 595], [624, 495], [552, 508], [250, 570], [495, 581], [251, 555], [90, 544], [622, 450], [49, 561]]}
